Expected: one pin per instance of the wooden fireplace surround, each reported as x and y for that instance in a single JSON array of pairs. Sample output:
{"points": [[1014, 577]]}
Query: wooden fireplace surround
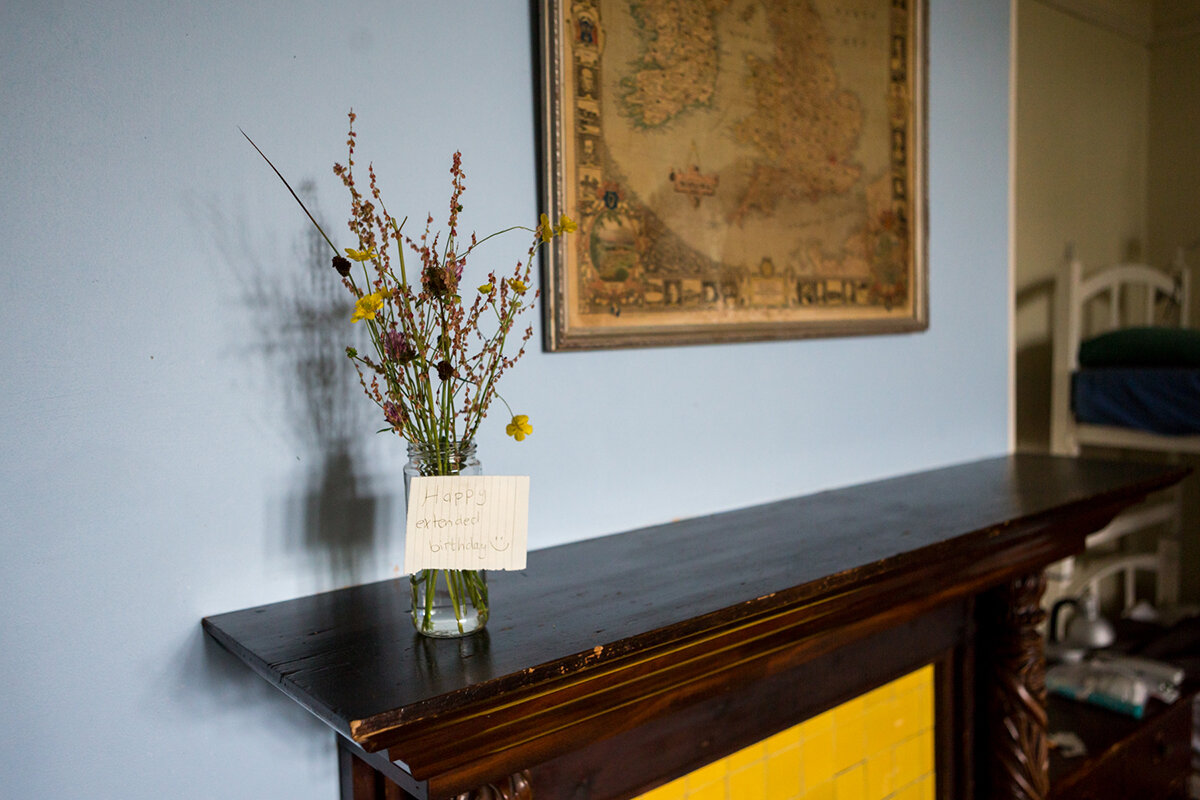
{"points": [[615, 664]]}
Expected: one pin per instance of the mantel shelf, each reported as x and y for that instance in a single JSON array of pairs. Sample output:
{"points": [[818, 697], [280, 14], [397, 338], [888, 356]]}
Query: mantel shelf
{"points": [[614, 634]]}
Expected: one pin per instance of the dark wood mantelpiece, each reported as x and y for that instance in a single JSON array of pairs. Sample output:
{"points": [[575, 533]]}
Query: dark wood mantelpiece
{"points": [[615, 663]]}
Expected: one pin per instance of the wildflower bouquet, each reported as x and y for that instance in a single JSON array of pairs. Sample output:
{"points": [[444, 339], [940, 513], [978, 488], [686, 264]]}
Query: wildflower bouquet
{"points": [[434, 361]]}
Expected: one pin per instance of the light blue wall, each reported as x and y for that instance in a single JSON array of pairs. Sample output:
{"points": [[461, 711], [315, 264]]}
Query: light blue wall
{"points": [[159, 458]]}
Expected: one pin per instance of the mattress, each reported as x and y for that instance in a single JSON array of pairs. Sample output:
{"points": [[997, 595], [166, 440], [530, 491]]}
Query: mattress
{"points": [[1163, 400]]}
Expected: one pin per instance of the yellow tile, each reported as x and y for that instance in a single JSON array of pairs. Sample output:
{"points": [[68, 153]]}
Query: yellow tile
{"points": [[881, 694], [908, 761], [925, 708], [878, 746], [881, 776], [906, 683], [908, 713], [783, 774], [925, 750], [675, 790], [822, 791], [881, 728], [747, 756], [848, 711], [849, 743], [818, 758], [914, 679], [712, 791], [821, 723], [784, 739], [711, 773], [749, 783], [910, 792], [851, 784]]}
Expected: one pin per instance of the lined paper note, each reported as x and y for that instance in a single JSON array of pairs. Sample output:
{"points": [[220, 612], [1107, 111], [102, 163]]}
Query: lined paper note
{"points": [[467, 522]]}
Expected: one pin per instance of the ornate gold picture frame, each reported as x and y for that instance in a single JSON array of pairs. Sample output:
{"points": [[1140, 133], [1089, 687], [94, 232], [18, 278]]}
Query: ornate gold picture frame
{"points": [[739, 169]]}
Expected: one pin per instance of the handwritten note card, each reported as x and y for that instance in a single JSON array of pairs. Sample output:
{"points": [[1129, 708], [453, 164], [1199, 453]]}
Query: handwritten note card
{"points": [[467, 522]]}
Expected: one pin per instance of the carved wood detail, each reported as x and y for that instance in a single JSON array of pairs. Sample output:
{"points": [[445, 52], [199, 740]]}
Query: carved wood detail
{"points": [[517, 786], [1019, 752]]}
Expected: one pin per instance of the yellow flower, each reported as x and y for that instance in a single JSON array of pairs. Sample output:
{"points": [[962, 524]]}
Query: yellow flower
{"points": [[518, 285], [566, 224], [361, 255], [367, 306], [485, 289], [546, 229], [519, 428]]}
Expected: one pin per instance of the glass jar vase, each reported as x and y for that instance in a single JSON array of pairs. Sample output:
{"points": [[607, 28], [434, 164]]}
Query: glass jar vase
{"points": [[446, 602]]}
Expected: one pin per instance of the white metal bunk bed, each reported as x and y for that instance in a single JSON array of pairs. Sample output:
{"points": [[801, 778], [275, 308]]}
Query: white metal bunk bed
{"points": [[1119, 297]]}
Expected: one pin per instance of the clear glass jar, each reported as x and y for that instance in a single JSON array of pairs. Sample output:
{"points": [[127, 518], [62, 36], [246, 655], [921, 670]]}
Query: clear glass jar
{"points": [[446, 602]]}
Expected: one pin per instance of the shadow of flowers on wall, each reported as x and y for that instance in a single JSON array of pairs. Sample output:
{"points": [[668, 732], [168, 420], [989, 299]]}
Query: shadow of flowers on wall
{"points": [[332, 514]]}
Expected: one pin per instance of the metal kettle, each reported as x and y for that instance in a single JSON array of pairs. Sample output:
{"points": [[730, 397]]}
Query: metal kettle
{"points": [[1086, 630]]}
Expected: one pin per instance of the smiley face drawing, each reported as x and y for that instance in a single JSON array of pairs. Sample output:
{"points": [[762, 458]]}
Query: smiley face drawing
{"points": [[501, 542]]}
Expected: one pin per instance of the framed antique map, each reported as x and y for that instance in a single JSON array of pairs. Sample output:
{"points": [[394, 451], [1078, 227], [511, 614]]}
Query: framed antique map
{"points": [[739, 169]]}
